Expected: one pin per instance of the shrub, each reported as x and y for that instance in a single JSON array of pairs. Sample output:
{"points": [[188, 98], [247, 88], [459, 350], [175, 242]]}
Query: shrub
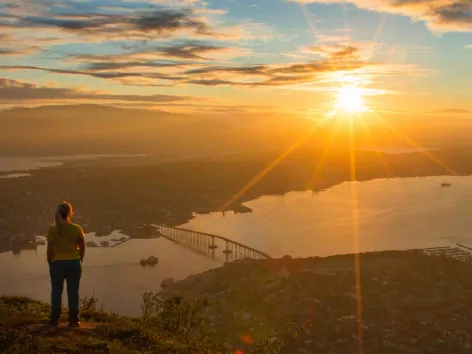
{"points": [[90, 303], [174, 315]]}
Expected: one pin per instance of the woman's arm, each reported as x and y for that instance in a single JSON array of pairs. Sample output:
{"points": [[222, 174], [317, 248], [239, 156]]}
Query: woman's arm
{"points": [[50, 247], [50, 253], [82, 248]]}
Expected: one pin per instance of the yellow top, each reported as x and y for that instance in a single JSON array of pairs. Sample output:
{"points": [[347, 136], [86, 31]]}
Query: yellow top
{"points": [[65, 245]]}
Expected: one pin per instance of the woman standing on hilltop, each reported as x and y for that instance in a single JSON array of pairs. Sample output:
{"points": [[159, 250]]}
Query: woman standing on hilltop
{"points": [[65, 254]]}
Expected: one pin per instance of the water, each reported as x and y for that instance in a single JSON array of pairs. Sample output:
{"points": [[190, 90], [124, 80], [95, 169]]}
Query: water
{"points": [[28, 163], [394, 151], [15, 175], [387, 214], [114, 275]]}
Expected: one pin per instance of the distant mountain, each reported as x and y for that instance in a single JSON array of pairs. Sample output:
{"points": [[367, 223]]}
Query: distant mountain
{"points": [[74, 129], [88, 129]]}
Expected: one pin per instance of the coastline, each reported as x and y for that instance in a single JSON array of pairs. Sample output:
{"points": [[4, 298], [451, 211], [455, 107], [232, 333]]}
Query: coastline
{"points": [[133, 198]]}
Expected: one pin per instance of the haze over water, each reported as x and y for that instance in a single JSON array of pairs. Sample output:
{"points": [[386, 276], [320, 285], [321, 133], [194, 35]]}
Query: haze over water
{"points": [[391, 214]]}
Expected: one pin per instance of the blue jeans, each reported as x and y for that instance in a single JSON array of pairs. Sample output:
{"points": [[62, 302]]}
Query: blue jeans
{"points": [[71, 271]]}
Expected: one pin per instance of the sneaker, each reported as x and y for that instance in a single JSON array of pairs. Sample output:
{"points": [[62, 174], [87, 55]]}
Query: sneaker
{"points": [[74, 324]]}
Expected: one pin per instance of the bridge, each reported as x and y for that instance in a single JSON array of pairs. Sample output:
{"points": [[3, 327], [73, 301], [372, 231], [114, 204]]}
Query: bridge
{"points": [[208, 244]]}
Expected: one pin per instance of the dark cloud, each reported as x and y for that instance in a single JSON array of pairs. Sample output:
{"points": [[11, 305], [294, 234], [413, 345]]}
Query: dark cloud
{"points": [[275, 75], [287, 80], [107, 66], [247, 70], [190, 50], [14, 91], [102, 75], [169, 20], [4, 51], [212, 82], [139, 24], [12, 50], [128, 73], [319, 67], [439, 15]]}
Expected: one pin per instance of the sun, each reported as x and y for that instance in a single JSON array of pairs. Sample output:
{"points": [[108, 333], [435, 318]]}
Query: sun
{"points": [[351, 99]]}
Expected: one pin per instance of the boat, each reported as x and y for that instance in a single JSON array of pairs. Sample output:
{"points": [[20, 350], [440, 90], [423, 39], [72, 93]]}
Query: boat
{"points": [[151, 261], [446, 184]]}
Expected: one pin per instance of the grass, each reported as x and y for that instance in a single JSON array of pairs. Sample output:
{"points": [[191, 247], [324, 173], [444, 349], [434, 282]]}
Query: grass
{"points": [[24, 329]]}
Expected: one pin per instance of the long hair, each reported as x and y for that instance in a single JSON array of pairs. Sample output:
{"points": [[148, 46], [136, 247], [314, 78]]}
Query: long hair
{"points": [[63, 213]]}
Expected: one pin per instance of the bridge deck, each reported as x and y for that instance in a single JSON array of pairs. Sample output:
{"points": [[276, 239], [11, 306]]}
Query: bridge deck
{"points": [[207, 244]]}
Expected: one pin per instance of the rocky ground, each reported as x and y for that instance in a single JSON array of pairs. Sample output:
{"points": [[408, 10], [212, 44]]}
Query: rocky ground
{"points": [[409, 303], [24, 329]]}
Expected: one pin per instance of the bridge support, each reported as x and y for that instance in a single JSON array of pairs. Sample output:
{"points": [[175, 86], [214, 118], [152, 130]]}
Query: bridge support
{"points": [[213, 246], [206, 243]]}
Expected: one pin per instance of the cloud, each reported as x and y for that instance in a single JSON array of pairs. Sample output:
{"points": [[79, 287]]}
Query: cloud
{"points": [[320, 67], [452, 110], [12, 91], [335, 51], [148, 73], [247, 70], [113, 75], [128, 20], [188, 51], [270, 75], [439, 15], [160, 22], [6, 51], [10, 46]]}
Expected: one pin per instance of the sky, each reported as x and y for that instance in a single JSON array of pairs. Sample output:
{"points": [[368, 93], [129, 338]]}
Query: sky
{"points": [[238, 56]]}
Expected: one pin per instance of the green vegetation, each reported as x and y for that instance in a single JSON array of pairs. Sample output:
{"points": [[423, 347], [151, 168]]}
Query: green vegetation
{"points": [[172, 326]]}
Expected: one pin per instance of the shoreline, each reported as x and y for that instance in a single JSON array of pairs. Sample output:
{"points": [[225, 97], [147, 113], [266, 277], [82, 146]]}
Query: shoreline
{"points": [[134, 197]]}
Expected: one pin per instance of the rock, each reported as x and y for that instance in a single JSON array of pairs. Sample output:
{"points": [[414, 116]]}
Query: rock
{"points": [[246, 316], [167, 282], [284, 272], [302, 351], [272, 285]]}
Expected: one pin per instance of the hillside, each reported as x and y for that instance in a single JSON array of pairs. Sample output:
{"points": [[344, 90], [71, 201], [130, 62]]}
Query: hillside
{"points": [[24, 329], [409, 303], [65, 130]]}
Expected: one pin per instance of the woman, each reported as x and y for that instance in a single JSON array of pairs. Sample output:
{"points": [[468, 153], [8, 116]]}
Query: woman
{"points": [[65, 253]]}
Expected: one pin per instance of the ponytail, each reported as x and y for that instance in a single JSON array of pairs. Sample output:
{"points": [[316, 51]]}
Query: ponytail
{"points": [[63, 212], [58, 221]]}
